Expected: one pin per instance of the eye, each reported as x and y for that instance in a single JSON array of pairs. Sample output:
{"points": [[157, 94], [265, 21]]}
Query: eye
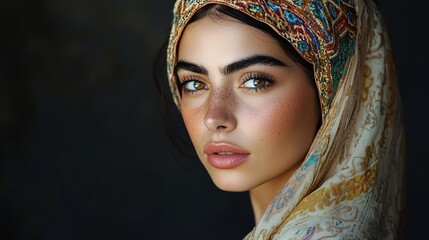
{"points": [[257, 81], [193, 86]]}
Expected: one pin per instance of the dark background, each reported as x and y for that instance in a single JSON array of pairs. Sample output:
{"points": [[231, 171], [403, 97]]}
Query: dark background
{"points": [[84, 152]]}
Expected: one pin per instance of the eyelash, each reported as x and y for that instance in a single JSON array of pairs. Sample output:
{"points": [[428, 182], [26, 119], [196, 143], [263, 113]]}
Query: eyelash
{"points": [[252, 76], [259, 76]]}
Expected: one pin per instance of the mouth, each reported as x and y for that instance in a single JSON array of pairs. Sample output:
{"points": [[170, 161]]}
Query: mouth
{"points": [[225, 155], [223, 149]]}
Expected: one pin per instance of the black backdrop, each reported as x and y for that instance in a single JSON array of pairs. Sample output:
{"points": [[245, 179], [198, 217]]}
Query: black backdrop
{"points": [[84, 154]]}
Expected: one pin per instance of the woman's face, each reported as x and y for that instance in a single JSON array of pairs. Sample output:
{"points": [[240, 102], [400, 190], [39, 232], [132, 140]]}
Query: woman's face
{"points": [[252, 113]]}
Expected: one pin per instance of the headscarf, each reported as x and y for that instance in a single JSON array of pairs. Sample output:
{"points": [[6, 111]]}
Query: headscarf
{"points": [[350, 185]]}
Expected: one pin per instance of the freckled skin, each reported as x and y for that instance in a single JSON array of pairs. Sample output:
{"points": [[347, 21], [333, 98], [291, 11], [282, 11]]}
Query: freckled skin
{"points": [[276, 125]]}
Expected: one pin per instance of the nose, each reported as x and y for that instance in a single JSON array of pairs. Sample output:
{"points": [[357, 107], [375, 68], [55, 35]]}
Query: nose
{"points": [[220, 112]]}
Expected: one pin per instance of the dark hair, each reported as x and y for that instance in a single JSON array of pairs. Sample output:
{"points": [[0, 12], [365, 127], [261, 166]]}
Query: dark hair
{"points": [[175, 128]]}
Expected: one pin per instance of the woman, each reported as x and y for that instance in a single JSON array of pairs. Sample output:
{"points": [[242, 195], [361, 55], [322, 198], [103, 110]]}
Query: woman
{"points": [[296, 102]]}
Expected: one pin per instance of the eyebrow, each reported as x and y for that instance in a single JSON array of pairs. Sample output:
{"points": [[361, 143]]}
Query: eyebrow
{"points": [[233, 67], [183, 65]]}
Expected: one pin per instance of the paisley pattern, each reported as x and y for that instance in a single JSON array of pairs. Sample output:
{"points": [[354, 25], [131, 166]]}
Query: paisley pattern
{"points": [[350, 186]]}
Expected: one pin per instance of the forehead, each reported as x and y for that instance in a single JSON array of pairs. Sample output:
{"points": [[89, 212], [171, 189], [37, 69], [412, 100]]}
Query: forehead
{"points": [[224, 40]]}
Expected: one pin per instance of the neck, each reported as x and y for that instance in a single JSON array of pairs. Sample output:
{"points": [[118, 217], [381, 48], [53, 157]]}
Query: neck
{"points": [[260, 199], [262, 195]]}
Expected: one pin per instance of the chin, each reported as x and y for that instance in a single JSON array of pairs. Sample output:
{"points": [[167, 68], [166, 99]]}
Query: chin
{"points": [[231, 183]]}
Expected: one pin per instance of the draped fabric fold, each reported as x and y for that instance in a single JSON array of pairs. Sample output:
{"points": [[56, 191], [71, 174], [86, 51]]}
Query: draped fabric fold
{"points": [[350, 185]]}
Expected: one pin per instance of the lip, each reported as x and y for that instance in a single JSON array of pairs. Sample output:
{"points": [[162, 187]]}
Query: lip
{"points": [[235, 155]]}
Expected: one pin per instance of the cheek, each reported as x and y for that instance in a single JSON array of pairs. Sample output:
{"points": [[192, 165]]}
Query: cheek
{"points": [[285, 126], [194, 121], [273, 120]]}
